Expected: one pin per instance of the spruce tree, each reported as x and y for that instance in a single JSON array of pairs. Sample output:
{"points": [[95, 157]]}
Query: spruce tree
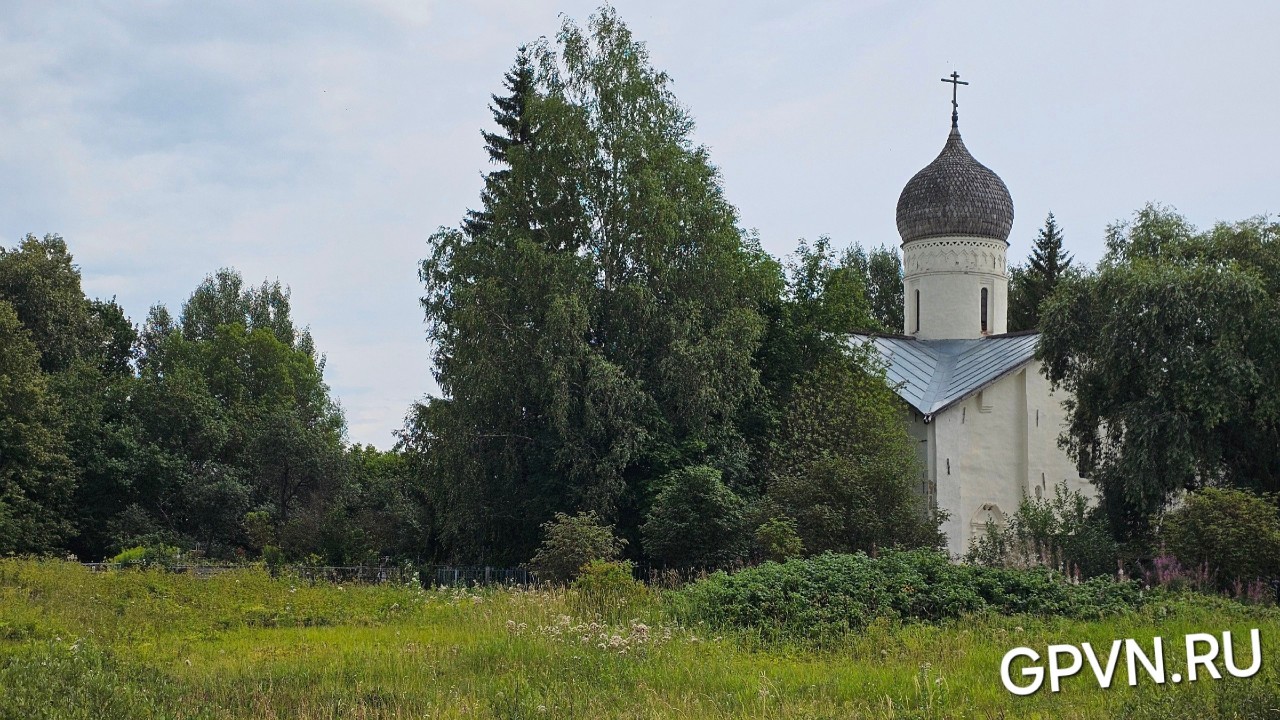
{"points": [[1048, 261], [510, 112], [1031, 283]]}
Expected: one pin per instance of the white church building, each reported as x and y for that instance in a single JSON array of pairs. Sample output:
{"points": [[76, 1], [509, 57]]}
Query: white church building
{"points": [[982, 413]]}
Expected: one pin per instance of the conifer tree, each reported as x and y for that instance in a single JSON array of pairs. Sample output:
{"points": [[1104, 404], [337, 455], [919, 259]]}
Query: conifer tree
{"points": [[1048, 261], [510, 113], [1031, 283]]}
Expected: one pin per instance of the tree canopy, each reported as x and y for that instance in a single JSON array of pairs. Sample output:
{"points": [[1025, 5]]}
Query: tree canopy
{"points": [[602, 327], [1171, 356], [595, 322]]}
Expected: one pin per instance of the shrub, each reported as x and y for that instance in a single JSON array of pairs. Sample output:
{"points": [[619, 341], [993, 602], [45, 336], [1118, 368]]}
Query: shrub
{"points": [[141, 556], [569, 542], [1234, 532], [1061, 532], [824, 597], [608, 589], [695, 521], [847, 504], [273, 556], [777, 540]]}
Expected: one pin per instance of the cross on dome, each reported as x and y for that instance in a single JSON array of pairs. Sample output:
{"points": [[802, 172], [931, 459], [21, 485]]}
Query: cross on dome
{"points": [[956, 82]]}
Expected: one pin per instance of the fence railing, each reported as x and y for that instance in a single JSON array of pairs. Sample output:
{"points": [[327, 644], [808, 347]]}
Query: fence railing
{"points": [[427, 575]]}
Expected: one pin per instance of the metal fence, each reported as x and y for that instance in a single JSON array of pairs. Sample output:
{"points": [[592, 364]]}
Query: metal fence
{"points": [[426, 575]]}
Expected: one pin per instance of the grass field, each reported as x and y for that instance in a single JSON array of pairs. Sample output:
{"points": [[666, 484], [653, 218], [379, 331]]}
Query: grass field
{"points": [[77, 644]]}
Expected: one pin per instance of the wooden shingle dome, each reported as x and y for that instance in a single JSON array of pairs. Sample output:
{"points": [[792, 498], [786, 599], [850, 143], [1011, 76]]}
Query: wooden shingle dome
{"points": [[955, 195]]}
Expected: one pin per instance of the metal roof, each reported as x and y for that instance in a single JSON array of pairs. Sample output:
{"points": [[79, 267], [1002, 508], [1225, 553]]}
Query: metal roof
{"points": [[932, 375]]}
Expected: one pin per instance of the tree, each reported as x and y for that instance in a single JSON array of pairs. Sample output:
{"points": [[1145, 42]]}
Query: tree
{"points": [[36, 477], [695, 521], [1170, 355], [881, 272], [1030, 284], [40, 281], [847, 472], [511, 113], [233, 416], [776, 540], [1234, 532], [595, 324], [86, 353], [821, 301], [570, 542]]}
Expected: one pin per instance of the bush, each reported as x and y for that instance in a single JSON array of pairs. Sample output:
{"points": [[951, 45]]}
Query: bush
{"points": [[609, 590], [1235, 533], [825, 597], [273, 557], [141, 556], [1062, 533], [777, 540], [569, 542], [695, 521]]}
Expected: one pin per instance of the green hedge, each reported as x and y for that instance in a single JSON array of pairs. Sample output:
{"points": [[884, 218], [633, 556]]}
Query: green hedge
{"points": [[830, 595]]}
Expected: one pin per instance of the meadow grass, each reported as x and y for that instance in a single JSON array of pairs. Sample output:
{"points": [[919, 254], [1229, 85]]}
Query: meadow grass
{"points": [[134, 644]]}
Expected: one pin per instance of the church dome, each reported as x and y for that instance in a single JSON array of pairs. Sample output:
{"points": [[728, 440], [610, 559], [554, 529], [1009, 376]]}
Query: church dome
{"points": [[955, 195]]}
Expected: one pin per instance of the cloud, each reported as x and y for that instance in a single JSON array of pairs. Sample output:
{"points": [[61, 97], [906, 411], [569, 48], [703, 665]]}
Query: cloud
{"points": [[320, 142]]}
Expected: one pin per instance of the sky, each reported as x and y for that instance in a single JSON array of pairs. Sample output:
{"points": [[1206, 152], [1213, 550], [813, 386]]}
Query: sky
{"points": [[321, 142]]}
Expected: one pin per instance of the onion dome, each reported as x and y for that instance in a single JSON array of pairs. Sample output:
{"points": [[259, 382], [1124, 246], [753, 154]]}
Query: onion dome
{"points": [[955, 195]]}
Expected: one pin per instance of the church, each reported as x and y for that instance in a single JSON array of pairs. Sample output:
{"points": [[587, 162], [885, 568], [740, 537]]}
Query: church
{"points": [[982, 415]]}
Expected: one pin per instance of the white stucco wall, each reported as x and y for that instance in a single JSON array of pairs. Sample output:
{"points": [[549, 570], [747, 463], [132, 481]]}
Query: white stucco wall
{"points": [[993, 448], [1051, 465], [949, 274]]}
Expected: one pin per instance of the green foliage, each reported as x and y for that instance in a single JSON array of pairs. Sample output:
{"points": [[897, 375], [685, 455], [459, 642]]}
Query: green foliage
{"points": [[847, 470], [695, 521], [881, 272], [609, 590], [570, 542], [595, 323], [142, 556], [84, 351], [826, 597], [110, 439], [1062, 532], [272, 556], [39, 279], [1171, 357], [36, 477], [1031, 284], [820, 302], [259, 528], [1235, 533], [233, 416], [777, 540]]}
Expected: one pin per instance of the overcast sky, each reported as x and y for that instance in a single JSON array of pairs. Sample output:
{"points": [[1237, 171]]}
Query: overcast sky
{"points": [[321, 142]]}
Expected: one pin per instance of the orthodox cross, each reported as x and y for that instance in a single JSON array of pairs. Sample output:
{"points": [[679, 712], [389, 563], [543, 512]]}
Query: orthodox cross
{"points": [[956, 82]]}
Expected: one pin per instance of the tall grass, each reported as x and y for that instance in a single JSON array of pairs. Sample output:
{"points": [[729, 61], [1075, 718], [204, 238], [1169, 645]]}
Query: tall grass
{"points": [[146, 644]]}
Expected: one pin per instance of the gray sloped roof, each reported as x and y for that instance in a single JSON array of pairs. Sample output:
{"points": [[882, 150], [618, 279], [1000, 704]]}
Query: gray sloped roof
{"points": [[932, 375]]}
